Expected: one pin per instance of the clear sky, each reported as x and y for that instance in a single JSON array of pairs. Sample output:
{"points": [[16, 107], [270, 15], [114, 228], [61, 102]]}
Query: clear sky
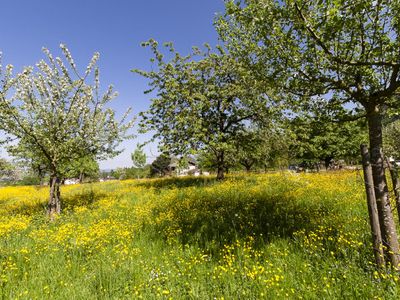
{"points": [[113, 28]]}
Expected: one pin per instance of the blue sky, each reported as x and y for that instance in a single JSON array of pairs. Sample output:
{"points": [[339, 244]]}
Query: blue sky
{"points": [[113, 28]]}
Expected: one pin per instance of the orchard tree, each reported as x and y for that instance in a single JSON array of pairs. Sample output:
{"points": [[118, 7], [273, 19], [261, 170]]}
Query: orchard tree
{"points": [[81, 168], [337, 52], [57, 113], [203, 100], [260, 147], [391, 137], [29, 157], [317, 138], [6, 168], [160, 166], [247, 148], [138, 157]]}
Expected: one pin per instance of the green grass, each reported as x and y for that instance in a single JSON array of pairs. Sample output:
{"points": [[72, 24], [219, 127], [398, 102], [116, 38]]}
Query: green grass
{"points": [[278, 236]]}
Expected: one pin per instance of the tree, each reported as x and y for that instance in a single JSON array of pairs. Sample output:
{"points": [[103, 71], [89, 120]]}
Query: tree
{"points": [[203, 101], [83, 167], [29, 157], [260, 147], [138, 157], [160, 166], [391, 138], [58, 116], [6, 168], [135, 173], [248, 148], [334, 53], [318, 139]]}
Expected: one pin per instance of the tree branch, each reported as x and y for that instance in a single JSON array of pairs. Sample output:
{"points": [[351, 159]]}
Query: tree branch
{"points": [[332, 56]]}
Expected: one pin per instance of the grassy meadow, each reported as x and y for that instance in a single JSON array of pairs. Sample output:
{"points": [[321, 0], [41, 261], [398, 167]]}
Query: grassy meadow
{"points": [[269, 236]]}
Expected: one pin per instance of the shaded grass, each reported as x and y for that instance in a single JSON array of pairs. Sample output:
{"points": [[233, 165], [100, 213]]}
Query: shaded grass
{"points": [[277, 236]]}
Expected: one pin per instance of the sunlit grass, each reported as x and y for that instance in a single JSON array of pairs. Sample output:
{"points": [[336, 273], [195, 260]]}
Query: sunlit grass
{"points": [[273, 236]]}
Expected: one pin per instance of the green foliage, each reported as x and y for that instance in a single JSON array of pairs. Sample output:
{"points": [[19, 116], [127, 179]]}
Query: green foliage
{"points": [[344, 52], [6, 167], [391, 136], [132, 172], [138, 157], [263, 147], [203, 100], [160, 166], [85, 168], [317, 138]]}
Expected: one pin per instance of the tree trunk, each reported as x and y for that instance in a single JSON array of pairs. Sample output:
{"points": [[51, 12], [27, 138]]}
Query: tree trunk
{"points": [[247, 166], [54, 205], [327, 161], [220, 166], [388, 227], [41, 176], [81, 177], [372, 208], [396, 185]]}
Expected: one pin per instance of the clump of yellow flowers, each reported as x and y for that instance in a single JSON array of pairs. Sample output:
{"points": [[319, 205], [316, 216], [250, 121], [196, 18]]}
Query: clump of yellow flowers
{"points": [[259, 236]]}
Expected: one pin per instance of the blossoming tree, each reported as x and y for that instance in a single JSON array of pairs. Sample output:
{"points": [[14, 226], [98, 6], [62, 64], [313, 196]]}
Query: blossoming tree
{"points": [[58, 115]]}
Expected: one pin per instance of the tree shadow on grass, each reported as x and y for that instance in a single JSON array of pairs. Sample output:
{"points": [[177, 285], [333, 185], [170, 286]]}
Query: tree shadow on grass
{"points": [[212, 221], [84, 198], [179, 182], [69, 202]]}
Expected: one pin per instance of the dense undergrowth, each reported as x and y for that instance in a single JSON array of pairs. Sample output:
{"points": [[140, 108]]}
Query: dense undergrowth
{"points": [[289, 236]]}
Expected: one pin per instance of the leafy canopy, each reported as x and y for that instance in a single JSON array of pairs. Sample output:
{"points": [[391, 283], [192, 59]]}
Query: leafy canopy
{"points": [[203, 100]]}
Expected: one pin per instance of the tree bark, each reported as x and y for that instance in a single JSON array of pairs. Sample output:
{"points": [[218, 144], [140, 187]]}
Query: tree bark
{"points": [[396, 185], [372, 208], [41, 176], [220, 166], [327, 162], [54, 205], [247, 166], [388, 227]]}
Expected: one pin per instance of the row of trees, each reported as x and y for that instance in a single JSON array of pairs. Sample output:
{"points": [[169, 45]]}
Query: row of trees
{"points": [[279, 59], [313, 64]]}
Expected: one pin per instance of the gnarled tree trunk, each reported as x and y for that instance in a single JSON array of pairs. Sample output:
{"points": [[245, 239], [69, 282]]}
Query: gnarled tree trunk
{"points": [[220, 166], [54, 205], [387, 225]]}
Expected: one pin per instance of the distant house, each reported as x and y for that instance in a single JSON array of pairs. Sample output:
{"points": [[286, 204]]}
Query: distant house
{"points": [[191, 167], [71, 181]]}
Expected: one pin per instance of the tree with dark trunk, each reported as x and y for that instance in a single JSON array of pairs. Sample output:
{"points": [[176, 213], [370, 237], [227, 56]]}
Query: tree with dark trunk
{"points": [[203, 101], [317, 138], [58, 117], [161, 165], [339, 57]]}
